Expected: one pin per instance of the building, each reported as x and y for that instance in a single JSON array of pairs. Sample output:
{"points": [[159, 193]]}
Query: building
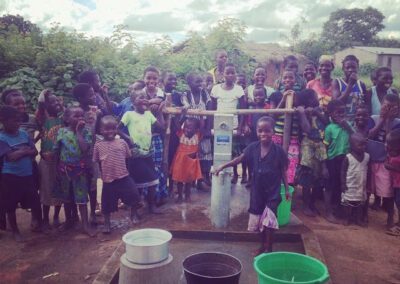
{"points": [[380, 56], [270, 56]]}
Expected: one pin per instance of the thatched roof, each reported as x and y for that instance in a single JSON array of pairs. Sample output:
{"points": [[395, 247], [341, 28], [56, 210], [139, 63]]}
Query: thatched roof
{"points": [[269, 52]]}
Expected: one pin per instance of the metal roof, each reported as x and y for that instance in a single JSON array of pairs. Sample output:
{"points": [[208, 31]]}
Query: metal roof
{"points": [[379, 50]]}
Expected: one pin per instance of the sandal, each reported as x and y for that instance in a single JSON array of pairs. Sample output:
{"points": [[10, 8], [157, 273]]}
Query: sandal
{"points": [[394, 231]]}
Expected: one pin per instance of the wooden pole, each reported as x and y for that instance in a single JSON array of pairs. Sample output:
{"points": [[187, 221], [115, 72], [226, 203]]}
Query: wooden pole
{"points": [[168, 103], [287, 127], [174, 110]]}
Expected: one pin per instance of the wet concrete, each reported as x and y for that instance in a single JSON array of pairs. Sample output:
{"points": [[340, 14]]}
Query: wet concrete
{"points": [[193, 233]]}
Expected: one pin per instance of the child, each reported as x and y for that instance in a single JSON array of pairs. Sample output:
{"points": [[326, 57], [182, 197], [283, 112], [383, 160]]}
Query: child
{"points": [[350, 90], [269, 163], [312, 170], [198, 98], [169, 82], [375, 95], [111, 154], [259, 77], [278, 101], [393, 165], [336, 138], [228, 96], [310, 71], [86, 97], [323, 85], [102, 101], [155, 97], [15, 98], [361, 120], [290, 63], [185, 167], [217, 73], [73, 166], [379, 126], [29, 123], [126, 104], [354, 179], [259, 102], [50, 117], [141, 166], [17, 152], [208, 82]]}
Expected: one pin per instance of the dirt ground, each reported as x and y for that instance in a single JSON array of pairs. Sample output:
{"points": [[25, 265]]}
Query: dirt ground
{"points": [[353, 255]]}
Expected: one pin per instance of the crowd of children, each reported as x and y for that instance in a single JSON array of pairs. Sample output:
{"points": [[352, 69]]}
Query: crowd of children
{"points": [[344, 145]]}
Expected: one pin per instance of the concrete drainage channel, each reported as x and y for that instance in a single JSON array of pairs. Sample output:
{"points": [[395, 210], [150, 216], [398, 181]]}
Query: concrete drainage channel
{"points": [[241, 245]]}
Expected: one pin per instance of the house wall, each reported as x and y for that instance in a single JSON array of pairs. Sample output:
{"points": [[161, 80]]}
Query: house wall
{"points": [[383, 60], [362, 55]]}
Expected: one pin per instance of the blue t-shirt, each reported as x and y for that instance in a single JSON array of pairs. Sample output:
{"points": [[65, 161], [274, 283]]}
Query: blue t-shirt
{"points": [[10, 143]]}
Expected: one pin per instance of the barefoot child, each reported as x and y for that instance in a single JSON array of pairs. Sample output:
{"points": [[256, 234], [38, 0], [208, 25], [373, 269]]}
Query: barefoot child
{"points": [[312, 170], [111, 154], [379, 127], [198, 98], [73, 166], [155, 97], [278, 100], [393, 165], [185, 167], [336, 139], [86, 97], [17, 152], [50, 117], [269, 163], [141, 166], [354, 180]]}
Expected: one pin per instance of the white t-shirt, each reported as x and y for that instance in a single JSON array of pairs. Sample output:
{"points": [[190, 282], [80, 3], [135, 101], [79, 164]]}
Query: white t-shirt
{"points": [[228, 99]]}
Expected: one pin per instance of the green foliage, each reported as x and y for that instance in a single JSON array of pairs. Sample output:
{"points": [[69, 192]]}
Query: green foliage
{"points": [[366, 69], [347, 27], [25, 80], [59, 56]]}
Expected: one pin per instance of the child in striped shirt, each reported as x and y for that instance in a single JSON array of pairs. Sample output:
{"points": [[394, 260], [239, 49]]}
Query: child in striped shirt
{"points": [[111, 154]]}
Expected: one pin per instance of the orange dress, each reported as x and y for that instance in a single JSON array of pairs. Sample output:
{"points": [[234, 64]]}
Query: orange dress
{"points": [[185, 168]]}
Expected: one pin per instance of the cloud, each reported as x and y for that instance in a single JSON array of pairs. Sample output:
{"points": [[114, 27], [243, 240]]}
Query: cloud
{"points": [[147, 19], [160, 22]]}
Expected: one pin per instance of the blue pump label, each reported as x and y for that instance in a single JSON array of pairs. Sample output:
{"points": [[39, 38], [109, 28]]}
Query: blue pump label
{"points": [[223, 139]]}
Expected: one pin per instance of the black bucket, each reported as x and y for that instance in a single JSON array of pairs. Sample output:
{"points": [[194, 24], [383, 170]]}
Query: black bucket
{"points": [[212, 268]]}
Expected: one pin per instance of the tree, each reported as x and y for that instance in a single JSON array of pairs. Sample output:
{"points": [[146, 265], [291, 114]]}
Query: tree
{"points": [[347, 27], [24, 27]]}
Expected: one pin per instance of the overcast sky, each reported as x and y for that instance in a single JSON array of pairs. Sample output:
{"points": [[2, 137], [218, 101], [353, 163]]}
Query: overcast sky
{"points": [[267, 20]]}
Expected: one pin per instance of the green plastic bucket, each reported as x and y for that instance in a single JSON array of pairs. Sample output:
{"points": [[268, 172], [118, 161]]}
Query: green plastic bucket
{"points": [[289, 268], [284, 207]]}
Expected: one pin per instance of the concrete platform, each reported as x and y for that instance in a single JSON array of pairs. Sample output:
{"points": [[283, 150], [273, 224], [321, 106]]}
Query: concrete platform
{"points": [[192, 233]]}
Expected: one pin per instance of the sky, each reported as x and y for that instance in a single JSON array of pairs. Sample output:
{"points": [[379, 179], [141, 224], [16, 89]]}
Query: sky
{"points": [[147, 20]]}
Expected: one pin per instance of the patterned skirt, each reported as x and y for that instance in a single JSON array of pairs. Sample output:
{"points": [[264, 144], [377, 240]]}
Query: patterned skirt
{"points": [[158, 151], [293, 155]]}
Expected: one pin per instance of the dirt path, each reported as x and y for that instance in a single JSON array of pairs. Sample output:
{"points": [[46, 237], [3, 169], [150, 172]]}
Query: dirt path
{"points": [[357, 255]]}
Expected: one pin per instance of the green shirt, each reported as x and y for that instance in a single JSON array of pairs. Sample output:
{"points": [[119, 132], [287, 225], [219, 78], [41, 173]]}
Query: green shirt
{"points": [[139, 128], [337, 140]]}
